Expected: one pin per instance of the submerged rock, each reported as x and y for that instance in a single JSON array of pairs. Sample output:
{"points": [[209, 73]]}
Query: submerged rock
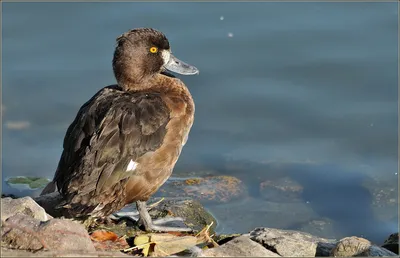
{"points": [[323, 227], [357, 246], [241, 246], [385, 199], [217, 189], [27, 182], [282, 189], [25, 205]]}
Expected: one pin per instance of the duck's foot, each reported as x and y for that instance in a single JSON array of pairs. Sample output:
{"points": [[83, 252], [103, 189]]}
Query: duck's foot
{"points": [[159, 224]]}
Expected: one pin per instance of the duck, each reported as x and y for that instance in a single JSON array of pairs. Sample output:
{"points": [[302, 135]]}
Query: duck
{"points": [[124, 142]]}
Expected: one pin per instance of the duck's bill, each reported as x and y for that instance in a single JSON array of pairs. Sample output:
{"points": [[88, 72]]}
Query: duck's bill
{"points": [[177, 66]]}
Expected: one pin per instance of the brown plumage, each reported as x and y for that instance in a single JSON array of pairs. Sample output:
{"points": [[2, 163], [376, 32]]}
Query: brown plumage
{"points": [[125, 141]]}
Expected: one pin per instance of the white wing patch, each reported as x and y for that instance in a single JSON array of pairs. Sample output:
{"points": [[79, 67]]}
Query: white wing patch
{"points": [[131, 166]]}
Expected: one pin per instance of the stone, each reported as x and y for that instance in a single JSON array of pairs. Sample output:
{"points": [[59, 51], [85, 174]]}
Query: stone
{"points": [[241, 246], [357, 246], [210, 189], [20, 232], [24, 232], [392, 243], [22, 253], [25, 205], [289, 243]]}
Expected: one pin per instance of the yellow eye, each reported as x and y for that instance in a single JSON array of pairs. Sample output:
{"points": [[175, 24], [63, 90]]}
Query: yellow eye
{"points": [[153, 50]]}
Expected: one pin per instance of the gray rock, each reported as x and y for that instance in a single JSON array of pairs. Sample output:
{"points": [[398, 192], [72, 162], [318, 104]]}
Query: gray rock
{"points": [[25, 205], [22, 253], [24, 232], [357, 246], [241, 246], [290, 243], [392, 243]]}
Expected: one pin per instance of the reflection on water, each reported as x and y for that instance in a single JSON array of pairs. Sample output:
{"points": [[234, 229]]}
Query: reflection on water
{"points": [[302, 90]]}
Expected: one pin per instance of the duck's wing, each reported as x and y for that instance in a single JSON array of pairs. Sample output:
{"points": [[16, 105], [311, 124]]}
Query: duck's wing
{"points": [[110, 130]]}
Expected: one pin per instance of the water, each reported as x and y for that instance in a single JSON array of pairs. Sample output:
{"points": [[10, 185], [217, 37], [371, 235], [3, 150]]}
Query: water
{"points": [[305, 90]]}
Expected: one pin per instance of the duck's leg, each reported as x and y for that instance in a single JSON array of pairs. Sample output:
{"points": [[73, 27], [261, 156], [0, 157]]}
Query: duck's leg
{"points": [[132, 215], [156, 225]]}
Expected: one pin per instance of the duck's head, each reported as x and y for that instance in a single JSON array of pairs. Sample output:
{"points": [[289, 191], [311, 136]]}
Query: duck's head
{"points": [[144, 52]]}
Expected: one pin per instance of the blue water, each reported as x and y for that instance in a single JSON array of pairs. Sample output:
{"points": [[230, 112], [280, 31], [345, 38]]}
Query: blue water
{"points": [[305, 90]]}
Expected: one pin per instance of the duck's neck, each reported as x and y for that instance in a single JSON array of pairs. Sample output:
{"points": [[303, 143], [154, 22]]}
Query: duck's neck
{"points": [[135, 83], [157, 82]]}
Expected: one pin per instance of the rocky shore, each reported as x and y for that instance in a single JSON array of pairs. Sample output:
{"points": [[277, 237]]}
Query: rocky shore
{"points": [[28, 230]]}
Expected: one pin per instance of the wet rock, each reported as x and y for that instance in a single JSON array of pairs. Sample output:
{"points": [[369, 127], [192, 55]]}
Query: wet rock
{"points": [[392, 243], [289, 243], [214, 189], [324, 249], [25, 205], [282, 189], [194, 214], [241, 246], [24, 232], [357, 246]]}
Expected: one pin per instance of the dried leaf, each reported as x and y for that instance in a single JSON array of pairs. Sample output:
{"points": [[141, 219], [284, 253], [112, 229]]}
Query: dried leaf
{"points": [[167, 244], [144, 242], [103, 235]]}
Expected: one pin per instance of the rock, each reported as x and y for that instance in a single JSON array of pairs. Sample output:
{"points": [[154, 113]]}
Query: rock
{"points": [[24, 232], [324, 249], [357, 246], [212, 189], [193, 213], [282, 189], [289, 243], [392, 243], [22, 253], [20, 232], [25, 205], [241, 246]]}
